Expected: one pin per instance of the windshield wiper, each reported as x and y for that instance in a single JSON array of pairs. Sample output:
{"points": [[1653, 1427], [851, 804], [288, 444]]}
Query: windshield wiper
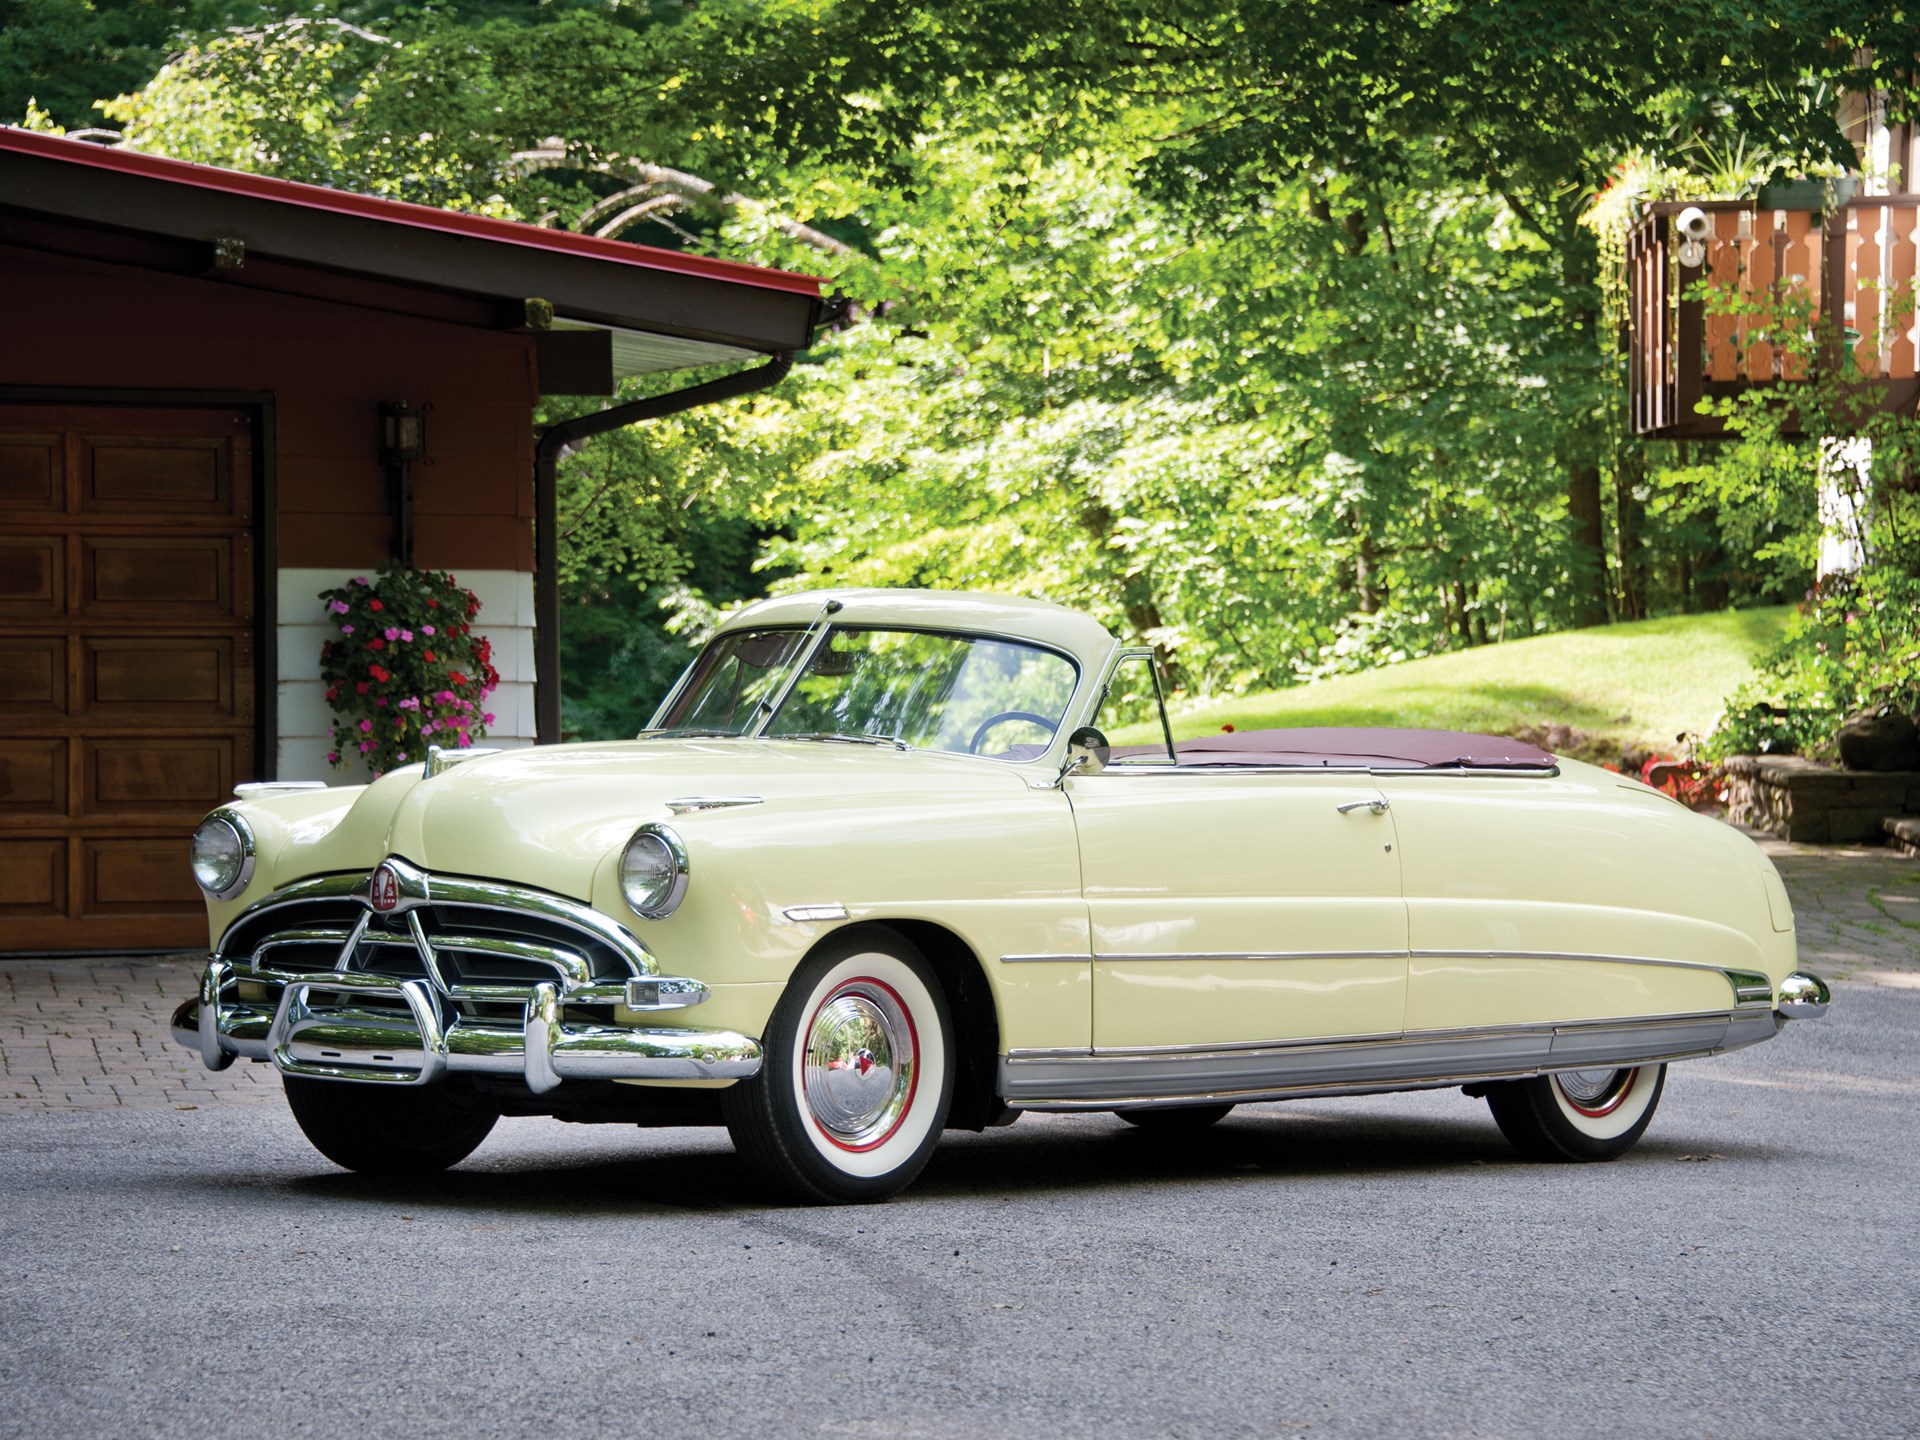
{"points": [[835, 735], [682, 734]]}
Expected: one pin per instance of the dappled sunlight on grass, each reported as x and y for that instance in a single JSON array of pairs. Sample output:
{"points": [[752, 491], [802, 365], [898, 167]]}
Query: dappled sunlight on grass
{"points": [[1644, 682]]}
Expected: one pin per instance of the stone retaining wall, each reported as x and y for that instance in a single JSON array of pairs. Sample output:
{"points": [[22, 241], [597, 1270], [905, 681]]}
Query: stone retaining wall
{"points": [[1816, 804]]}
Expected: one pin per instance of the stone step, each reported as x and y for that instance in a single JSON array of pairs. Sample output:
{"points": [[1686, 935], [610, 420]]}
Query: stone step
{"points": [[1903, 833]]}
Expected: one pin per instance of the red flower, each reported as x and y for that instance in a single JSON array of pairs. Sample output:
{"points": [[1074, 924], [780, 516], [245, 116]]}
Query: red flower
{"points": [[375, 605], [431, 657], [360, 687], [333, 692], [457, 678], [376, 643], [433, 604], [380, 673]]}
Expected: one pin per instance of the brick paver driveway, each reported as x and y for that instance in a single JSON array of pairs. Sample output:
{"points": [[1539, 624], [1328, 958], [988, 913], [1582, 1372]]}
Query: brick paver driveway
{"points": [[91, 1034]]}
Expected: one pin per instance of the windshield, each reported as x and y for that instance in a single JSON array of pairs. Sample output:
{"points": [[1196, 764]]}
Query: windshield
{"points": [[969, 694]]}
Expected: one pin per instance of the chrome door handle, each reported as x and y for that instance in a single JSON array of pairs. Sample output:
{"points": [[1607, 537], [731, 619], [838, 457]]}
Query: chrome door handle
{"points": [[1375, 807]]}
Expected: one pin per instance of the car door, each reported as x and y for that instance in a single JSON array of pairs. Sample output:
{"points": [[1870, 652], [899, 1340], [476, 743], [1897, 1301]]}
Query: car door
{"points": [[1239, 905]]}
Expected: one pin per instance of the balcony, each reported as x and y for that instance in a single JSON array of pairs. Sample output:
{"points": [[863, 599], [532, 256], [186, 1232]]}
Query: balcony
{"points": [[1855, 263]]}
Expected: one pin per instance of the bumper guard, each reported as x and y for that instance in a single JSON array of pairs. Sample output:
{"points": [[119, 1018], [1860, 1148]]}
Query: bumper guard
{"points": [[378, 1045]]}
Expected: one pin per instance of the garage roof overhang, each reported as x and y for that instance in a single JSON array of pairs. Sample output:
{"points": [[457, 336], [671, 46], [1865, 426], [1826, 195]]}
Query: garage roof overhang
{"points": [[656, 309]]}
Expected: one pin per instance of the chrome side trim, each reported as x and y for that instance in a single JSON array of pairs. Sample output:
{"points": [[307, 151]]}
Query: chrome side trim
{"points": [[1089, 1080], [692, 804], [1747, 984], [1803, 996], [1046, 959], [255, 789], [1227, 955], [802, 914]]}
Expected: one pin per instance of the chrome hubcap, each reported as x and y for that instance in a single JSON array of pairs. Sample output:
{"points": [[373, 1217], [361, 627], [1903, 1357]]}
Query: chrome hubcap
{"points": [[859, 1066], [1595, 1092]]}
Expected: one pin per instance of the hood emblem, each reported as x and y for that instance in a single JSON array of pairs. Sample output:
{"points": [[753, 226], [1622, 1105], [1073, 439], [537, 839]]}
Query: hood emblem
{"points": [[383, 890]]}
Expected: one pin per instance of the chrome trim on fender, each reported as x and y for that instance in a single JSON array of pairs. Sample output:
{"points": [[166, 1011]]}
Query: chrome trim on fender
{"points": [[1096, 1080], [1046, 959], [1803, 996], [1204, 956], [1747, 984], [802, 914], [693, 804], [255, 789]]}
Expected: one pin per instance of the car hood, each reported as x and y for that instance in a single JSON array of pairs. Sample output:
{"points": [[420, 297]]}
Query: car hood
{"points": [[551, 817]]}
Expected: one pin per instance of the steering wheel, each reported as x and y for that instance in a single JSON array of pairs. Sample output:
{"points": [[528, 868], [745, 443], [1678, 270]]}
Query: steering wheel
{"points": [[973, 746]]}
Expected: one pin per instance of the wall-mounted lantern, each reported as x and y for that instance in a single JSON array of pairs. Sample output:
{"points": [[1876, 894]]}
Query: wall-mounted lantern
{"points": [[403, 440]]}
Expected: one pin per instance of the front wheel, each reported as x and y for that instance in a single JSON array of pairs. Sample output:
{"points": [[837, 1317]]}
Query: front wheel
{"points": [[386, 1129], [1578, 1114], [856, 1077]]}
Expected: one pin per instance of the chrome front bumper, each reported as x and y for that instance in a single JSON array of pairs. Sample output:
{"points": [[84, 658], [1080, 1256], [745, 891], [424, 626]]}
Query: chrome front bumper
{"points": [[341, 1040]]}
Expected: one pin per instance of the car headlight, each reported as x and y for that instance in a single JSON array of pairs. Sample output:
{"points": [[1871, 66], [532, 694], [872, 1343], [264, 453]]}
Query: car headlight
{"points": [[653, 871], [223, 855]]}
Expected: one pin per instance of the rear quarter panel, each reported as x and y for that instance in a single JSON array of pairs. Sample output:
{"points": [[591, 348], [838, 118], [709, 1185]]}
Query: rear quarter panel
{"points": [[1579, 896]]}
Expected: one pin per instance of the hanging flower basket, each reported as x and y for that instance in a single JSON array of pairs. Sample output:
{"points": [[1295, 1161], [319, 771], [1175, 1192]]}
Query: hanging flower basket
{"points": [[405, 669]]}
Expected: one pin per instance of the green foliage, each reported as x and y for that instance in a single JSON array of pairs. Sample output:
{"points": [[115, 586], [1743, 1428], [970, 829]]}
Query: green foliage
{"points": [[1854, 646], [407, 670], [1267, 332]]}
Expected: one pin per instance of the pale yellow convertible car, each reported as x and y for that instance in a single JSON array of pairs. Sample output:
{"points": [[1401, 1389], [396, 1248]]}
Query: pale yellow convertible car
{"points": [[874, 871]]}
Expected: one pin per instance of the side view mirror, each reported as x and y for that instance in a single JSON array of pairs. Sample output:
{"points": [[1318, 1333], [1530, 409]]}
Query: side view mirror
{"points": [[1087, 752]]}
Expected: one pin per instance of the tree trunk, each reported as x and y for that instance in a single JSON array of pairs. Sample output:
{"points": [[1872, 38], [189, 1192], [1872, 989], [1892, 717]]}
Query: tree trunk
{"points": [[1629, 532], [1579, 260]]}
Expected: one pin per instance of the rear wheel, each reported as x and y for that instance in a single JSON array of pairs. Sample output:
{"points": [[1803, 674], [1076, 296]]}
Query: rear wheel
{"points": [[387, 1129], [856, 1078], [1579, 1114], [1179, 1120]]}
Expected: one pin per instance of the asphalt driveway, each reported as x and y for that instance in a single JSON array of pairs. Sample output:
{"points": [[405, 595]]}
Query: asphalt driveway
{"points": [[179, 1262]]}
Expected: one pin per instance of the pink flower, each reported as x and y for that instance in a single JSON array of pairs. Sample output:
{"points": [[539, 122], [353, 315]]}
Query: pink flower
{"points": [[333, 757], [465, 740], [359, 579], [427, 729], [379, 701], [487, 719], [338, 607], [346, 629], [404, 635], [365, 746], [366, 727], [426, 629], [393, 634]]}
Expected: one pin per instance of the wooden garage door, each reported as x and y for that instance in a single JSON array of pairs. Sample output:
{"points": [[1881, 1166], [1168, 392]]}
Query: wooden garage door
{"points": [[126, 666]]}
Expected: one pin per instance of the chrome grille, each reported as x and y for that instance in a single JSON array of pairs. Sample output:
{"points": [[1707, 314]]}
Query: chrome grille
{"points": [[482, 947]]}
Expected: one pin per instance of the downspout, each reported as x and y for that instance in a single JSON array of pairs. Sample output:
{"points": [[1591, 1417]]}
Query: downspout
{"points": [[554, 441]]}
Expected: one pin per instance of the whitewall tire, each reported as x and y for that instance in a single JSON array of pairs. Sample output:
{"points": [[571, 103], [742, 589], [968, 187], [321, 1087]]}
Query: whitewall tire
{"points": [[857, 1074], [1578, 1115]]}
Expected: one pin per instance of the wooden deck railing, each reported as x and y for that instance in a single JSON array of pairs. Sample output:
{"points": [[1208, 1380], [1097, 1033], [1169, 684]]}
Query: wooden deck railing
{"points": [[1857, 265]]}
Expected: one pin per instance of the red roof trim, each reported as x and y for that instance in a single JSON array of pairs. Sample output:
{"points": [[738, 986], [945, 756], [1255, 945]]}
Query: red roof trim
{"points": [[399, 212]]}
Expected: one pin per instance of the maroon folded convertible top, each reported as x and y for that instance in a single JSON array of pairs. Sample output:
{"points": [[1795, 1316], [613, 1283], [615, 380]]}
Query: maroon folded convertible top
{"points": [[1370, 748]]}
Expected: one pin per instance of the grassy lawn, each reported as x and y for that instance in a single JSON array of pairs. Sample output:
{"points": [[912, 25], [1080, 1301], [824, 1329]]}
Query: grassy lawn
{"points": [[1642, 683]]}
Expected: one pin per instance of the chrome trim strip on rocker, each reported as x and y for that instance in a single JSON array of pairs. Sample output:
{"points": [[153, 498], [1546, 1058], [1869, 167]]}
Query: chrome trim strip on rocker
{"points": [[1099, 1080], [1208, 956]]}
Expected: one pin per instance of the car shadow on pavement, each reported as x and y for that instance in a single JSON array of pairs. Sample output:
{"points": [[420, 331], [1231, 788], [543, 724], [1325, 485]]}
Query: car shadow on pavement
{"points": [[1083, 1154]]}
